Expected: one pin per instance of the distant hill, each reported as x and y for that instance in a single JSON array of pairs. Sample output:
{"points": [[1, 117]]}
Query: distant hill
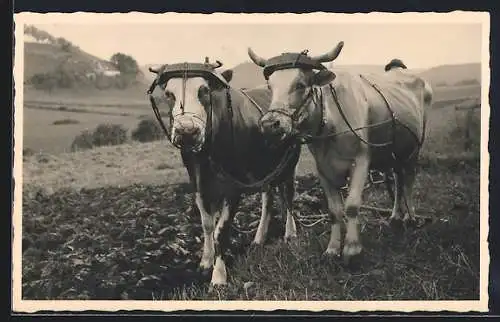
{"points": [[44, 58], [54, 64], [248, 74], [453, 74]]}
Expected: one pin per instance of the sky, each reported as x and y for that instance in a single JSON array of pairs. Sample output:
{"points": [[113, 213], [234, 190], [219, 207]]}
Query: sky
{"points": [[418, 45]]}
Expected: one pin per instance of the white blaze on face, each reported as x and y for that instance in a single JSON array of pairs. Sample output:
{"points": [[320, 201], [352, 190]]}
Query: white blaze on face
{"points": [[287, 87], [192, 104], [195, 92]]}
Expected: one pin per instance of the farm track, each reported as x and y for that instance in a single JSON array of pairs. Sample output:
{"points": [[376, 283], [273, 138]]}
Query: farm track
{"points": [[74, 110], [139, 242], [81, 104]]}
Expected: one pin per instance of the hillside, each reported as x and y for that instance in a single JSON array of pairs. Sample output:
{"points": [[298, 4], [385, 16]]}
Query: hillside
{"points": [[248, 74], [90, 75], [452, 74], [56, 67], [45, 58]]}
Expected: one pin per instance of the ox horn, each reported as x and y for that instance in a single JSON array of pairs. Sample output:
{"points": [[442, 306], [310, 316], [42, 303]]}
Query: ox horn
{"points": [[155, 70], [217, 64], [331, 55], [256, 59]]}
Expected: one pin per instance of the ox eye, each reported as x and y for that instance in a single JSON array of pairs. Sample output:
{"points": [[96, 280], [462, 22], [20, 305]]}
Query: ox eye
{"points": [[300, 86], [203, 91], [170, 96]]}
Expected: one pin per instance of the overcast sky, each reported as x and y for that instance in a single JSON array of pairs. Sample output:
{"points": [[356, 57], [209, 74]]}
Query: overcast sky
{"points": [[418, 45]]}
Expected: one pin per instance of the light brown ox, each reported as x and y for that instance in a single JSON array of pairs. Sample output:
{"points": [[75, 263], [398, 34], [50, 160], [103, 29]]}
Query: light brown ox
{"points": [[346, 120]]}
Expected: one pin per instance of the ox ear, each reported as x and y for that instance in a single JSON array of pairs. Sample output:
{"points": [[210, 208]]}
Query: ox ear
{"points": [[228, 75], [323, 77]]}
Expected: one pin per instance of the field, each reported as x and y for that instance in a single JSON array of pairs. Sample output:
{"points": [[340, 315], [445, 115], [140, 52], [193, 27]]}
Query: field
{"points": [[115, 223], [40, 134]]}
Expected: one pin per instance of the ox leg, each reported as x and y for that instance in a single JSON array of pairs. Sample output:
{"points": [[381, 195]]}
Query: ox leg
{"points": [[287, 192], [265, 217], [221, 236], [208, 225], [336, 214], [408, 178], [390, 185], [398, 190], [352, 244]]}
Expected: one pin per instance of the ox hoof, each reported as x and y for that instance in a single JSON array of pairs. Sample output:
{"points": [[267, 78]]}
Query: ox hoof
{"points": [[352, 249], [352, 255], [332, 253], [413, 222], [218, 284], [256, 244], [218, 289], [291, 239]]}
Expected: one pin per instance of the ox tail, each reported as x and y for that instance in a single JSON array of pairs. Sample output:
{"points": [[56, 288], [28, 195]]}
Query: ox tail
{"points": [[428, 94], [428, 97]]}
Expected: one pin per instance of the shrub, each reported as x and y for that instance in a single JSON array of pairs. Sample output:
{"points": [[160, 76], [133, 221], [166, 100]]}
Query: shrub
{"points": [[104, 134], [470, 81], [82, 141], [27, 152], [109, 134], [44, 81], [65, 121], [148, 130]]}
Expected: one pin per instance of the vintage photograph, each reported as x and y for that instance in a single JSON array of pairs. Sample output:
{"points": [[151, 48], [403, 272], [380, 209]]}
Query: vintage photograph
{"points": [[252, 159]]}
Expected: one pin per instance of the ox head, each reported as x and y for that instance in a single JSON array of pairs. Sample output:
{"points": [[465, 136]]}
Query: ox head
{"points": [[187, 90], [291, 77]]}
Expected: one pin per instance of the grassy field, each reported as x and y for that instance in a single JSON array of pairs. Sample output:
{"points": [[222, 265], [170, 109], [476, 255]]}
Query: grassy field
{"points": [[40, 134], [113, 223]]}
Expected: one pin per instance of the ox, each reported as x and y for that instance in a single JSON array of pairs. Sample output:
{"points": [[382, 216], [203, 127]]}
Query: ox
{"points": [[351, 123], [216, 128]]}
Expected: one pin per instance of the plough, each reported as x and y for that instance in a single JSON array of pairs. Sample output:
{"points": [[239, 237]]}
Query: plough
{"points": [[308, 221]]}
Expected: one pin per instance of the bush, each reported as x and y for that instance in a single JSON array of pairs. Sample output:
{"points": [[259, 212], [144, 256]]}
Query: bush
{"points": [[27, 152], [65, 121], [83, 141], [44, 81], [148, 130], [109, 134], [470, 81], [104, 134]]}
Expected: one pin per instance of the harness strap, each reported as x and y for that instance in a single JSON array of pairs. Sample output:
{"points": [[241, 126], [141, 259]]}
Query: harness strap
{"points": [[268, 179], [420, 140], [216, 167], [253, 101], [341, 111], [158, 115]]}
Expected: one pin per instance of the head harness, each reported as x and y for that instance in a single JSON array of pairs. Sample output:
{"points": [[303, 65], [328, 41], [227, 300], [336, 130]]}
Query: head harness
{"points": [[290, 60]]}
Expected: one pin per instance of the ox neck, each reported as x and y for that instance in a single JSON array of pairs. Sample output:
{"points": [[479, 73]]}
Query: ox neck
{"points": [[315, 123]]}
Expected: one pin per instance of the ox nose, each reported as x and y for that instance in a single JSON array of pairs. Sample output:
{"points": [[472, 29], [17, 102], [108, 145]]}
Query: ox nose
{"points": [[274, 124], [187, 136], [187, 131], [271, 125]]}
